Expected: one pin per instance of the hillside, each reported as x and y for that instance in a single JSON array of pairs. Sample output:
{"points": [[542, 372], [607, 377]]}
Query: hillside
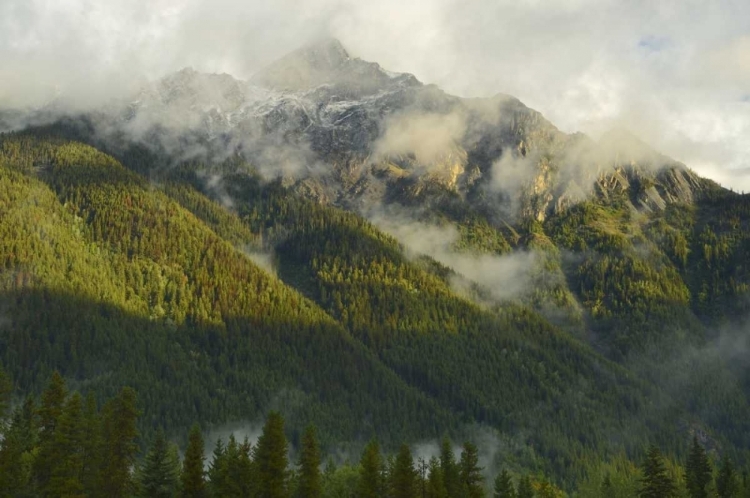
{"points": [[368, 253]]}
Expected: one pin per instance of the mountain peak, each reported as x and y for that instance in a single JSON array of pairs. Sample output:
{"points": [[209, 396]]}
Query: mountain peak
{"points": [[325, 52], [305, 67]]}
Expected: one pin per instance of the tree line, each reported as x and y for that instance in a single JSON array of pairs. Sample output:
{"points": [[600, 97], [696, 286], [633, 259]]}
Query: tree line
{"points": [[64, 445]]}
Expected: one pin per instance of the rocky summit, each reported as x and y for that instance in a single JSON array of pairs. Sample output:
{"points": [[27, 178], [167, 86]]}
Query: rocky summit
{"points": [[347, 132]]}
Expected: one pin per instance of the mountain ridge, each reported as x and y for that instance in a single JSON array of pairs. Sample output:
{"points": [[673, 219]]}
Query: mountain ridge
{"points": [[457, 261], [345, 130]]}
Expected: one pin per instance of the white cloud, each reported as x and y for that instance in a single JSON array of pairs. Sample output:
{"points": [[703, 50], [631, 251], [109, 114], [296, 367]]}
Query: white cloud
{"points": [[674, 72], [507, 276], [426, 135]]}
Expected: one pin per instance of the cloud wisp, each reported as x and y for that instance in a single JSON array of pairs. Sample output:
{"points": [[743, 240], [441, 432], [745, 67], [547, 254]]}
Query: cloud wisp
{"points": [[504, 276]]}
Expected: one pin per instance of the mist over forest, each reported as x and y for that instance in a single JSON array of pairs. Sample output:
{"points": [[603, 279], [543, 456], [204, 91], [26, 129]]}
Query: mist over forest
{"points": [[407, 249]]}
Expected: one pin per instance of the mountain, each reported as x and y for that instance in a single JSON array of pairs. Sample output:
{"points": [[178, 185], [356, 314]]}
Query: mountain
{"points": [[374, 255], [377, 135]]}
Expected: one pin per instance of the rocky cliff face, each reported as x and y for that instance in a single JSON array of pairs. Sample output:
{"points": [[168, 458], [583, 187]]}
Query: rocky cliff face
{"points": [[345, 131]]}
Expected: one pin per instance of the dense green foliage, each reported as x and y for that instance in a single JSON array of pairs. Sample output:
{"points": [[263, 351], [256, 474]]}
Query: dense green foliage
{"points": [[309, 462], [192, 478], [697, 471], [160, 470], [162, 301], [350, 333], [656, 481], [504, 486]]}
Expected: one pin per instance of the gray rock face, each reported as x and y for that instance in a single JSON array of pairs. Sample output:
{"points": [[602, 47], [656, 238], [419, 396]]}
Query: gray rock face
{"points": [[345, 131]]}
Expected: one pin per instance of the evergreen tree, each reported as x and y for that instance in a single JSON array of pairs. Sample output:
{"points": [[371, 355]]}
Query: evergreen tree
{"points": [[656, 482], [174, 464], [92, 449], [449, 468], [271, 459], [472, 481], [245, 470], [435, 482], [698, 472], [403, 475], [16, 448], [50, 409], [192, 476], [525, 489], [234, 479], [727, 484], [13, 478], [504, 486], [159, 473], [309, 463], [371, 472], [68, 451], [218, 471], [120, 443], [51, 406]]}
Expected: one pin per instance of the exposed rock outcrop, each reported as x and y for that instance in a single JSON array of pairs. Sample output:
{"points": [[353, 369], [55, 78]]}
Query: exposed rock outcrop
{"points": [[345, 131]]}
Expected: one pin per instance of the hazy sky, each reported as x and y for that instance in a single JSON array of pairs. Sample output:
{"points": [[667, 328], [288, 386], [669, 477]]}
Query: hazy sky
{"points": [[676, 73]]}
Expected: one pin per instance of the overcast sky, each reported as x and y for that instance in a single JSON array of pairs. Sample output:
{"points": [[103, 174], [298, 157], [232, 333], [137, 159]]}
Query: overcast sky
{"points": [[676, 73]]}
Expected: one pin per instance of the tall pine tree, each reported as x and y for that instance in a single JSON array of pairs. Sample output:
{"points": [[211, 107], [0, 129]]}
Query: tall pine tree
{"points": [[371, 472], [449, 468], [656, 482], [472, 481], [159, 475], [234, 478], [403, 475], [120, 443], [244, 470], [309, 463], [504, 486], [68, 452], [435, 481], [50, 409], [271, 459], [92, 449], [192, 481], [698, 472], [218, 470], [16, 450]]}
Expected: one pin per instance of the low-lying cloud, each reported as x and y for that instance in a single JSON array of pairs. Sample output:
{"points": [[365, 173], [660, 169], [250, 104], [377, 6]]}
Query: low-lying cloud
{"points": [[265, 260], [504, 276], [428, 136]]}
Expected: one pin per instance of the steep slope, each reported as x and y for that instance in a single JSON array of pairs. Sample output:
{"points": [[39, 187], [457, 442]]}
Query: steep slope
{"points": [[113, 283], [406, 312], [345, 131], [203, 334], [629, 270]]}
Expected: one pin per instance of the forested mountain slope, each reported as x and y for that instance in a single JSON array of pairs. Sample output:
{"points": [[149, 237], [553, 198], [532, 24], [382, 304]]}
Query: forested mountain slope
{"points": [[360, 250], [113, 283], [167, 300]]}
